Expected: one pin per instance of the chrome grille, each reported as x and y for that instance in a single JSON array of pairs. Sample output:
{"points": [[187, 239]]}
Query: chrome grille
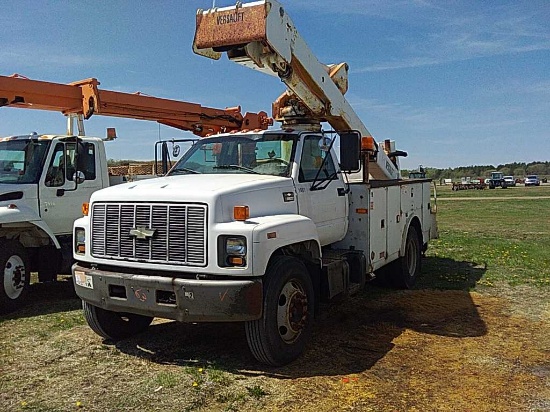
{"points": [[179, 232]]}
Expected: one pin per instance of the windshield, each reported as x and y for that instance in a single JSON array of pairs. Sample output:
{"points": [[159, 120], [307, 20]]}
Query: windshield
{"points": [[21, 160], [267, 154]]}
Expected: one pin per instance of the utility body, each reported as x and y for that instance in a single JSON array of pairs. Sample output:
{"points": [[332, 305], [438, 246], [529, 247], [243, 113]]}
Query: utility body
{"points": [[256, 226], [45, 179]]}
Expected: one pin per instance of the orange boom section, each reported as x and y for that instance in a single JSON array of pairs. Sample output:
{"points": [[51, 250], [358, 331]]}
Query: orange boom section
{"points": [[85, 98]]}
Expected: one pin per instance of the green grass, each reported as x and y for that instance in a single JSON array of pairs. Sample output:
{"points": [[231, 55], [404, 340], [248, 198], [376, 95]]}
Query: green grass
{"points": [[483, 242], [256, 391]]}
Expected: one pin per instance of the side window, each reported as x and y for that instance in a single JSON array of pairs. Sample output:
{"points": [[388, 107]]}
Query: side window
{"points": [[86, 160], [62, 166], [70, 152], [312, 160], [55, 176]]}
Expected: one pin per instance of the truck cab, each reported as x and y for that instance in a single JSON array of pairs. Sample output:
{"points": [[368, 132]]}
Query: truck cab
{"points": [[44, 179], [282, 179]]}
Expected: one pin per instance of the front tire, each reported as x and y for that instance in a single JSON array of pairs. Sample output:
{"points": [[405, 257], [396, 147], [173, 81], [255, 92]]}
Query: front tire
{"points": [[15, 267], [281, 334], [114, 325]]}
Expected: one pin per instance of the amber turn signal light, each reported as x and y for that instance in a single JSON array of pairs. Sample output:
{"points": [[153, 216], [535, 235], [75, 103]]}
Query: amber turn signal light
{"points": [[236, 260], [241, 213], [85, 208]]}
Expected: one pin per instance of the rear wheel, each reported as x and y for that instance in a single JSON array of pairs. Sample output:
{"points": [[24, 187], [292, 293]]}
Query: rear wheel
{"points": [[282, 332], [408, 267], [14, 264], [114, 325]]}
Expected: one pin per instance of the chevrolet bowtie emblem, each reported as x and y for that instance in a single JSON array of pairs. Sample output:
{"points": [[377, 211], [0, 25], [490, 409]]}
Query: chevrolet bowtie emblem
{"points": [[142, 232]]}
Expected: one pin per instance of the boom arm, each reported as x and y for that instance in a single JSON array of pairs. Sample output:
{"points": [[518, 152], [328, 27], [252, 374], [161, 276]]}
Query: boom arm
{"points": [[85, 98], [261, 36]]}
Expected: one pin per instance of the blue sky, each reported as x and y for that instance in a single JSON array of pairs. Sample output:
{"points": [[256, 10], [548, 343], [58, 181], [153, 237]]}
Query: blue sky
{"points": [[452, 82]]}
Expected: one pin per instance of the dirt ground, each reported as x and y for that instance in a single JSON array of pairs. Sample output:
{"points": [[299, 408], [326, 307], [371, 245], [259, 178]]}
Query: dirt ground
{"points": [[427, 350], [384, 350]]}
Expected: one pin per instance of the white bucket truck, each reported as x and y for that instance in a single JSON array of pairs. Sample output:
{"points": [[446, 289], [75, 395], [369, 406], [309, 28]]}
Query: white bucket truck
{"points": [[256, 226]]}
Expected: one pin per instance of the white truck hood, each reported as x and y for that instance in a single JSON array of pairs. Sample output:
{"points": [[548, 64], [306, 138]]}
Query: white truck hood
{"points": [[223, 191], [24, 198]]}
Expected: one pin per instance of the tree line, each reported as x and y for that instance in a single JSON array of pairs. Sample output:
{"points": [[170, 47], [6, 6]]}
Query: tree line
{"points": [[516, 169]]}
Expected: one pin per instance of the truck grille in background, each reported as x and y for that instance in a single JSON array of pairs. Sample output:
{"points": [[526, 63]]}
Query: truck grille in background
{"points": [[175, 233]]}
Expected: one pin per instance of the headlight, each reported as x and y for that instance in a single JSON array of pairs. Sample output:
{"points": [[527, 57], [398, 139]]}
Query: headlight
{"points": [[231, 251], [79, 240], [235, 246]]}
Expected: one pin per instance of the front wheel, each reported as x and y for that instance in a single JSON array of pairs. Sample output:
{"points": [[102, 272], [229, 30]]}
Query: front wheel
{"points": [[281, 334], [14, 263], [114, 325]]}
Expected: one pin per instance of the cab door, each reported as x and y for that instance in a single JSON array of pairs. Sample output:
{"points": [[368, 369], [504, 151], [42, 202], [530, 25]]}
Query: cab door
{"points": [[321, 192], [61, 197]]}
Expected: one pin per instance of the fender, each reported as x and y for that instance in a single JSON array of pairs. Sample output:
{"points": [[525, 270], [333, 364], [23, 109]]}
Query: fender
{"points": [[273, 232], [406, 230], [20, 215]]}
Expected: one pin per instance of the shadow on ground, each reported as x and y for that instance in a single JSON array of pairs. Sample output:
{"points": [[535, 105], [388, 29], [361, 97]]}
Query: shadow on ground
{"points": [[47, 298], [348, 338]]}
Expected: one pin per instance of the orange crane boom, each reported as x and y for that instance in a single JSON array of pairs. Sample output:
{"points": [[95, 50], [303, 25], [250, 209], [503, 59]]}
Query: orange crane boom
{"points": [[86, 99]]}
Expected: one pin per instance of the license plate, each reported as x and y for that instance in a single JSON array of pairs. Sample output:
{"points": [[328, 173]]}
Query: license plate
{"points": [[84, 280]]}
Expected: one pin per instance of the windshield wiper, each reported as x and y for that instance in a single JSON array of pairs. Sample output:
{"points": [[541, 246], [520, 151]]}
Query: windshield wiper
{"points": [[183, 170], [236, 167]]}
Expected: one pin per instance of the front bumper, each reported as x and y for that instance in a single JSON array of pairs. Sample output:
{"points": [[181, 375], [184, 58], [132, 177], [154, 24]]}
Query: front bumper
{"points": [[185, 300]]}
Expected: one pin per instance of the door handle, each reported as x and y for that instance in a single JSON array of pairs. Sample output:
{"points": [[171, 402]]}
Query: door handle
{"points": [[341, 191]]}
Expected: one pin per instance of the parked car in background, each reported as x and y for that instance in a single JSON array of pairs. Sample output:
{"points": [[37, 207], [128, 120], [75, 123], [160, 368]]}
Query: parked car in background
{"points": [[509, 181], [532, 180]]}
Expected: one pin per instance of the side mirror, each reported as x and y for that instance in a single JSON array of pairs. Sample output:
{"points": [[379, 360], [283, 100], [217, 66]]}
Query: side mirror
{"points": [[176, 150], [111, 134], [79, 177], [325, 143], [350, 151]]}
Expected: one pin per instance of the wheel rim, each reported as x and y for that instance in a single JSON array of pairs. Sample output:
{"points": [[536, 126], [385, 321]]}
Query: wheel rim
{"points": [[412, 257], [15, 277], [292, 311]]}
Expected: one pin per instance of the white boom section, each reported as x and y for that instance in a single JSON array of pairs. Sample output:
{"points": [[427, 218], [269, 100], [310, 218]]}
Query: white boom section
{"points": [[260, 35]]}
